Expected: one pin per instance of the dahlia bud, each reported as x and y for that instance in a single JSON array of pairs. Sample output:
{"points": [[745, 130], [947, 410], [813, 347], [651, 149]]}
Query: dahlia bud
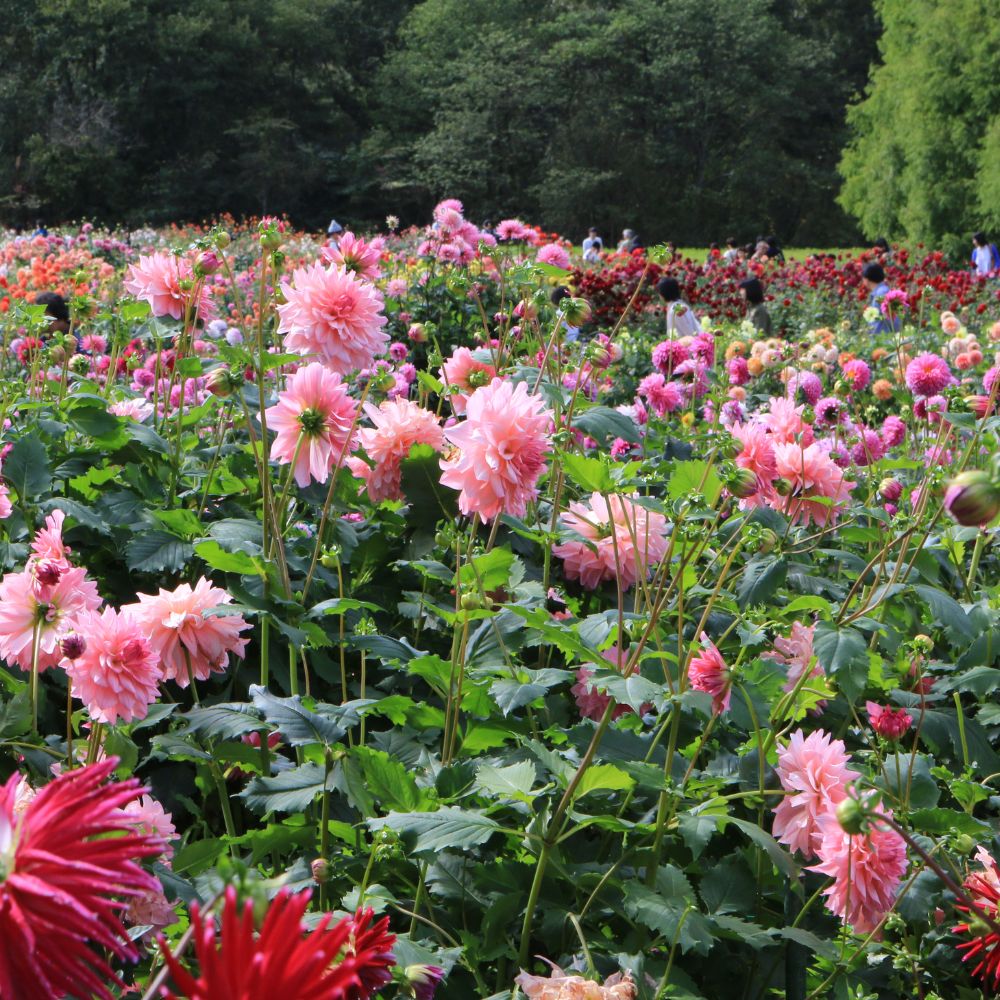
{"points": [[730, 447], [768, 540], [222, 239], [891, 723], [222, 381], [320, 871], [423, 980], [964, 843], [973, 498], [783, 487], [850, 816], [57, 354], [890, 489], [48, 572], [742, 484], [185, 284], [74, 646], [841, 388], [923, 643], [79, 364], [416, 334], [979, 405], [471, 601], [206, 263], [576, 311]]}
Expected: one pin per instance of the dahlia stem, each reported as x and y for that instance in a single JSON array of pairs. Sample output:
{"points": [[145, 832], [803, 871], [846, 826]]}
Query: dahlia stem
{"points": [[324, 830], [227, 809], [265, 638], [69, 724], [293, 674], [36, 641]]}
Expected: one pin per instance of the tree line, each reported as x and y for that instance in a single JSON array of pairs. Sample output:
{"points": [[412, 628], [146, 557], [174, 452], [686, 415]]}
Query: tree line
{"points": [[683, 119]]}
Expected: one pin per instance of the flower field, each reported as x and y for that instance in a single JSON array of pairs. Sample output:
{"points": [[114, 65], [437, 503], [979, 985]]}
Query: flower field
{"points": [[416, 616]]}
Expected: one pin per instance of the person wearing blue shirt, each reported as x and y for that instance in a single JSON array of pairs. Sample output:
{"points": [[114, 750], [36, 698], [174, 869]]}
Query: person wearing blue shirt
{"points": [[874, 277]]}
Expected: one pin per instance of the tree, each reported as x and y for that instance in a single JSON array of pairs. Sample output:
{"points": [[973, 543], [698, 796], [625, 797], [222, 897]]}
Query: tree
{"points": [[924, 158]]}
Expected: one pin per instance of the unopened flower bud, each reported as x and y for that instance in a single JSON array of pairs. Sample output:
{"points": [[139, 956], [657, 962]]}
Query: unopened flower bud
{"points": [[768, 540], [207, 262], [222, 239], [222, 381], [320, 871], [471, 601], [73, 646], [48, 571], [973, 498], [850, 816], [423, 980], [890, 489], [783, 487], [79, 364], [923, 643], [576, 311], [743, 483]]}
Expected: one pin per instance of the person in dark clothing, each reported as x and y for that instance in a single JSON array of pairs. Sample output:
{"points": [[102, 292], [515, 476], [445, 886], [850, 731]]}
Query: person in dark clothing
{"points": [[752, 292], [57, 311]]}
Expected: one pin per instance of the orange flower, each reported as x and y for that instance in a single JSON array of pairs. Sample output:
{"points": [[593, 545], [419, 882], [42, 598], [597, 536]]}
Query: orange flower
{"points": [[755, 366], [879, 353], [882, 389]]}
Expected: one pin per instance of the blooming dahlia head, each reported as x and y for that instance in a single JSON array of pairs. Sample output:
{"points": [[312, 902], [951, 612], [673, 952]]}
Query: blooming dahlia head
{"points": [[560, 986], [398, 425], [118, 673], [354, 254], [27, 602], [168, 284], [348, 960], [188, 642], [331, 314], [814, 771], [866, 868], [983, 944], [465, 371], [617, 539], [928, 374], [819, 489], [709, 672], [313, 418], [68, 869], [502, 445], [796, 652]]}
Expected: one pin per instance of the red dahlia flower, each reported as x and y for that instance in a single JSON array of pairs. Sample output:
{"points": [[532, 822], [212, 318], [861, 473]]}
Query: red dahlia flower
{"points": [[68, 867], [983, 946], [349, 960]]}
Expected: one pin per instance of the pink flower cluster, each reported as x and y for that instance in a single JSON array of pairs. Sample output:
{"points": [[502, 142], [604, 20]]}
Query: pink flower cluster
{"points": [[453, 239]]}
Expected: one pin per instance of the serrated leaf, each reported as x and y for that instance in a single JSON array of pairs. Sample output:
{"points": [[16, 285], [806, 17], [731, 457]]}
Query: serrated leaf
{"points": [[223, 721], [288, 791], [156, 552], [603, 778], [843, 654], [387, 779], [300, 726], [676, 919], [604, 425], [514, 781], [590, 474], [447, 828], [227, 562], [947, 611], [26, 468], [762, 578]]}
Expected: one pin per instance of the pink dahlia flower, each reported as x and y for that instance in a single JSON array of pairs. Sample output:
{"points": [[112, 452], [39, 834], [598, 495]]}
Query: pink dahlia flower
{"points": [[893, 431], [27, 602], [857, 374], [928, 374], [188, 642], [157, 279], [797, 653], [818, 487], [331, 314], [814, 770], [758, 452], [66, 882], [868, 449], [354, 254], [149, 818], [465, 371], [636, 534], [668, 354], [118, 673], [314, 418], [554, 254], [784, 421], [398, 425], [512, 230], [502, 445], [48, 541], [867, 869], [561, 986], [710, 673], [662, 396]]}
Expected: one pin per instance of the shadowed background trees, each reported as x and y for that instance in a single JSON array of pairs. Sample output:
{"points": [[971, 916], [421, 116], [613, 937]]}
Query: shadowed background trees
{"points": [[685, 119]]}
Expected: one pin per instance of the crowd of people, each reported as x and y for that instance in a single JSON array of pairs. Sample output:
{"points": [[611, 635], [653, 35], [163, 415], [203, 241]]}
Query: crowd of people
{"points": [[681, 320]]}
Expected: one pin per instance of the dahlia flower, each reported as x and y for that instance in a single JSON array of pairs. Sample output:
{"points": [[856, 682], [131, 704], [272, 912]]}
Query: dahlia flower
{"points": [[814, 478], [118, 673], [554, 254], [710, 673], [168, 284], [314, 417], [148, 817], [928, 374], [65, 883], [866, 868], [662, 396], [28, 604], [48, 541], [784, 420], [891, 723], [668, 354], [590, 702], [398, 426], [893, 431], [348, 960], [464, 371], [857, 374], [814, 769], [758, 452], [334, 316], [560, 986], [502, 445], [511, 229], [189, 643], [353, 254], [983, 946], [796, 652], [638, 535]]}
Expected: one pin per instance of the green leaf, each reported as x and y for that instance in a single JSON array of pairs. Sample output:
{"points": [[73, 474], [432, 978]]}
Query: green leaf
{"points": [[227, 562], [675, 918], [947, 612], [492, 569], [387, 779], [843, 654], [157, 551], [603, 778], [695, 476], [78, 512], [26, 468], [421, 481], [223, 721], [604, 425], [728, 887], [297, 724], [762, 577], [94, 421], [15, 716], [288, 791], [591, 474], [447, 828], [513, 781], [781, 859], [938, 822]]}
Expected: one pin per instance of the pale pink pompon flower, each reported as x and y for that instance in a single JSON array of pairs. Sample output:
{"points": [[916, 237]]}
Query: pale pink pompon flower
{"points": [[617, 539], [118, 673], [554, 254], [190, 643], [313, 419], [157, 279], [866, 868], [398, 425], [814, 771], [709, 672], [331, 314], [501, 445], [562, 986]]}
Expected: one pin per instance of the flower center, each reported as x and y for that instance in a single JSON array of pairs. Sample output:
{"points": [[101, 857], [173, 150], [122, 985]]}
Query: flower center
{"points": [[311, 421]]}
